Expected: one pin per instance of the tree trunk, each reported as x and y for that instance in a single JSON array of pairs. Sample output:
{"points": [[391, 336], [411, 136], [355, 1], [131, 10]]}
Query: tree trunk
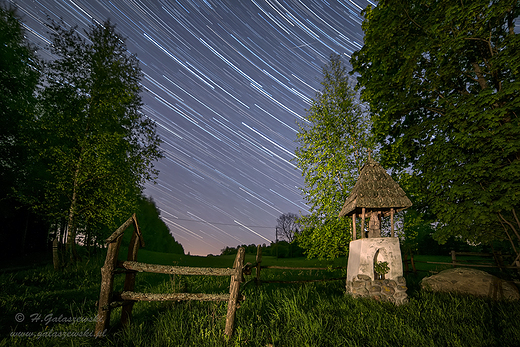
{"points": [[71, 231]]}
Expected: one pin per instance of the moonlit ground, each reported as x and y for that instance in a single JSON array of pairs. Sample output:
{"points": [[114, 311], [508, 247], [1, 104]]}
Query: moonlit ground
{"points": [[226, 82]]}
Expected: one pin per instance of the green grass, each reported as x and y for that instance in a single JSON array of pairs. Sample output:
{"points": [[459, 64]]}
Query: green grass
{"points": [[312, 314]]}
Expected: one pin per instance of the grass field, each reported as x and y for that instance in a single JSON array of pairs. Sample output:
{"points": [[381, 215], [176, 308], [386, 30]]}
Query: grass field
{"points": [[312, 314]]}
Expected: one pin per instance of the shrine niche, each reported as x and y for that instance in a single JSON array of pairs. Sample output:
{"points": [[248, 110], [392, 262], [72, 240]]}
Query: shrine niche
{"points": [[375, 267]]}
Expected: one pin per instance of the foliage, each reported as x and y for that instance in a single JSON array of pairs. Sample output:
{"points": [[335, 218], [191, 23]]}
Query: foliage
{"points": [[326, 240], [95, 146], [381, 267], [333, 144], [287, 227], [441, 78], [19, 76], [156, 234]]}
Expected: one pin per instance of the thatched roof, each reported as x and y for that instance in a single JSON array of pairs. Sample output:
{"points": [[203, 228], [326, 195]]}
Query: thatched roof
{"points": [[375, 190]]}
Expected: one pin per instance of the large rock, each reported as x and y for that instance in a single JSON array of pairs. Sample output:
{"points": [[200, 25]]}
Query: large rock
{"points": [[471, 281]]}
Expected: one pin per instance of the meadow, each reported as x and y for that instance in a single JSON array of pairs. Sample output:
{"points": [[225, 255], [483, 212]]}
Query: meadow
{"points": [[59, 308]]}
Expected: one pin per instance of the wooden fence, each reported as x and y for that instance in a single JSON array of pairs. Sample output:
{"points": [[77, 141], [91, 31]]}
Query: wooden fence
{"points": [[109, 300], [257, 265], [496, 262]]}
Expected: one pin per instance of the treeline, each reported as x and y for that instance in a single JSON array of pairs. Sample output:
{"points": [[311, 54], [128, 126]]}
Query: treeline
{"points": [[156, 233], [75, 148], [280, 249]]}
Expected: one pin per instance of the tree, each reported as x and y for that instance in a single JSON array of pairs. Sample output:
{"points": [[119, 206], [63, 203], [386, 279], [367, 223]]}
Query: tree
{"points": [[333, 144], [287, 227], [96, 145], [19, 78], [441, 78], [155, 232]]}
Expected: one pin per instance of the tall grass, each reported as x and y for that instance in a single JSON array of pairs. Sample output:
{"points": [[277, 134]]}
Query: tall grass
{"points": [[313, 314]]}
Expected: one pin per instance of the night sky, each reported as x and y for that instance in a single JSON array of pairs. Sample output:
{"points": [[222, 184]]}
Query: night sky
{"points": [[226, 82]]}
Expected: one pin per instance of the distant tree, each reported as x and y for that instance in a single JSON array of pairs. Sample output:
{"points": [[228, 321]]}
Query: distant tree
{"points": [[287, 227], [442, 81], [228, 251], [333, 145], [96, 146]]}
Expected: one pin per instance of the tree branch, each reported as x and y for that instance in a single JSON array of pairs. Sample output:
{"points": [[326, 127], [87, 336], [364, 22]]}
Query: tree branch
{"points": [[510, 224], [508, 236]]}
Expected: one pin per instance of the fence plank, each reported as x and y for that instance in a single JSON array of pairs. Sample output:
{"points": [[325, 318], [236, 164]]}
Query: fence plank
{"points": [[258, 261], [132, 296], [466, 264], [120, 230], [135, 242], [176, 270], [107, 285], [300, 268], [233, 292]]}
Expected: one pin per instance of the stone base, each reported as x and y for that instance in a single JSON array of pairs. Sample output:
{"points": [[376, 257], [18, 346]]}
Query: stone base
{"points": [[362, 286]]}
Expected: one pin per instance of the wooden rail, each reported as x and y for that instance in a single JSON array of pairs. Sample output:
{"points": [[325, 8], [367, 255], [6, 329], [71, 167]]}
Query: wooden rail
{"points": [[127, 298], [258, 267], [464, 263]]}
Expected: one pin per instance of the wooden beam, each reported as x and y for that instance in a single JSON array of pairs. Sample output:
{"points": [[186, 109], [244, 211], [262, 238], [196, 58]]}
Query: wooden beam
{"points": [[392, 222], [354, 226], [107, 286], [135, 242], [132, 296], [177, 270], [233, 292], [363, 223], [258, 261], [120, 230]]}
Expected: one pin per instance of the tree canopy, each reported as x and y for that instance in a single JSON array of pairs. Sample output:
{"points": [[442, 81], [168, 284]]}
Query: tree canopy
{"points": [[333, 145], [99, 143], [88, 147], [156, 234], [20, 71], [441, 79]]}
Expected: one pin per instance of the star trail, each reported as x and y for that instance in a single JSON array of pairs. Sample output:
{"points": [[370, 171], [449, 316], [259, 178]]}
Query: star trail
{"points": [[226, 83]]}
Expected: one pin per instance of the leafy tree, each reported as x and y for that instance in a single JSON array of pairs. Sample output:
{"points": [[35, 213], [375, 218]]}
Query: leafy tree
{"points": [[95, 144], [19, 78], [332, 147], [441, 78], [156, 234], [287, 227]]}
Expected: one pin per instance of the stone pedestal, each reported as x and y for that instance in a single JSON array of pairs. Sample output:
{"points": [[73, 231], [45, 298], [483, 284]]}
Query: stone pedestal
{"points": [[361, 281]]}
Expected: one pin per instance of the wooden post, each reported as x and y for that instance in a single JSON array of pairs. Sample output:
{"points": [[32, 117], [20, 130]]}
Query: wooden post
{"points": [[107, 285], [135, 242], [354, 226], [453, 258], [363, 223], [233, 292], [55, 254], [405, 261], [392, 222], [258, 261], [413, 264]]}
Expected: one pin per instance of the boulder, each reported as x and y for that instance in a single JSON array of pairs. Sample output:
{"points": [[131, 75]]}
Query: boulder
{"points": [[470, 281]]}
